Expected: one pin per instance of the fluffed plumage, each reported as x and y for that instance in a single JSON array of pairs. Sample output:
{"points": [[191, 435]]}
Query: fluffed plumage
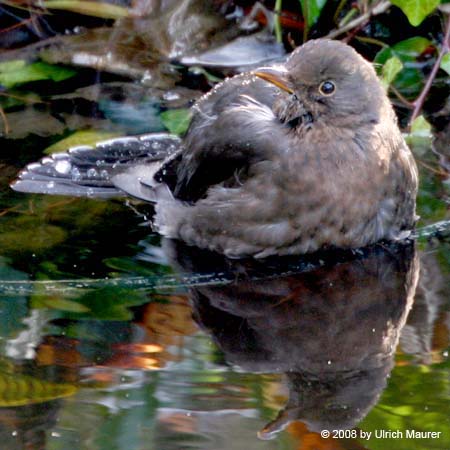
{"points": [[282, 160]]}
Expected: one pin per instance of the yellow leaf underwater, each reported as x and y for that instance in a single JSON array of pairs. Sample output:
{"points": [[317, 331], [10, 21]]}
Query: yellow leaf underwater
{"points": [[88, 8], [82, 137], [21, 390]]}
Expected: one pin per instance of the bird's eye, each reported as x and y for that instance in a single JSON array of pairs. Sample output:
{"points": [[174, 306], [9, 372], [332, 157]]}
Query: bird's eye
{"points": [[327, 88]]}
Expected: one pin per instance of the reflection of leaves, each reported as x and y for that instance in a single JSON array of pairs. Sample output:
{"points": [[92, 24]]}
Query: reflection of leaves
{"points": [[109, 303], [415, 399], [59, 303], [390, 70], [81, 137], [169, 317], [19, 390], [13, 309], [89, 8], [409, 81], [176, 120], [135, 267], [311, 10], [416, 10], [443, 256], [17, 72]]}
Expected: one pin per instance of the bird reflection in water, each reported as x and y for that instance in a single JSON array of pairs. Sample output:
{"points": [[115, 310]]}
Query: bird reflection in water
{"points": [[332, 328]]}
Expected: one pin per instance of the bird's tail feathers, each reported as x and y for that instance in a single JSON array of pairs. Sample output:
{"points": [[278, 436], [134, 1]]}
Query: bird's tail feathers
{"points": [[87, 171]]}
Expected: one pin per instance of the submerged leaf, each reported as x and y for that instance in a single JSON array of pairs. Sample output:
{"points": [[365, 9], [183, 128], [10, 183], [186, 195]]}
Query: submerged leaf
{"points": [[21, 390], [82, 137], [89, 8], [416, 10], [17, 72], [36, 238], [176, 120]]}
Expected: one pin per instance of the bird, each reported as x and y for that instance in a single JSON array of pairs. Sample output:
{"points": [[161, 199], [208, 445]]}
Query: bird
{"points": [[282, 160]]}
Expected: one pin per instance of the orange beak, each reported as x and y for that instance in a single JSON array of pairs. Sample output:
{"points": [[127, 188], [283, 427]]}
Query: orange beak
{"points": [[276, 75]]}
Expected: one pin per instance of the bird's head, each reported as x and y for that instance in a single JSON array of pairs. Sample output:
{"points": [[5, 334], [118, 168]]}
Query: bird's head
{"points": [[326, 80]]}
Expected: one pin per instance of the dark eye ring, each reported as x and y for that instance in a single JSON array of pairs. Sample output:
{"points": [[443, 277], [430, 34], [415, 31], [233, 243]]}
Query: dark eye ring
{"points": [[327, 88]]}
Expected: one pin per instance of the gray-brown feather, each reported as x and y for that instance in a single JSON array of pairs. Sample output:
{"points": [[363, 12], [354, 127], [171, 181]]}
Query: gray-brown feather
{"points": [[346, 180]]}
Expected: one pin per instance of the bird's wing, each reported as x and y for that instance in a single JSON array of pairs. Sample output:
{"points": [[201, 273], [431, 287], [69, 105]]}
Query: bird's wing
{"points": [[223, 138], [221, 145]]}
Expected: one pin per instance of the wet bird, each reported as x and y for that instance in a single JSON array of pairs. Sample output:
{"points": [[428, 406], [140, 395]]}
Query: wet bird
{"points": [[283, 160]]}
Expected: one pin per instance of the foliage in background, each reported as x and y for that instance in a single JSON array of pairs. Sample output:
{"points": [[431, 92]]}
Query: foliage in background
{"points": [[416, 10]]}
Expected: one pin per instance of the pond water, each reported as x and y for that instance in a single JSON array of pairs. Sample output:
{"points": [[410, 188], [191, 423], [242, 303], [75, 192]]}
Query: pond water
{"points": [[111, 338]]}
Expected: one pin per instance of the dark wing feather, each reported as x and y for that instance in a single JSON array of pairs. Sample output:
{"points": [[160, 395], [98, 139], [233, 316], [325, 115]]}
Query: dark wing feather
{"points": [[225, 137], [90, 171]]}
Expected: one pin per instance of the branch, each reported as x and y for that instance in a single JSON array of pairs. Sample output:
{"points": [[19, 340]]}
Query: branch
{"points": [[6, 126], [418, 103], [376, 9]]}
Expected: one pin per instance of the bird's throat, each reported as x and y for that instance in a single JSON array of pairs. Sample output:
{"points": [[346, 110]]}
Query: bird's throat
{"points": [[292, 113], [302, 120]]}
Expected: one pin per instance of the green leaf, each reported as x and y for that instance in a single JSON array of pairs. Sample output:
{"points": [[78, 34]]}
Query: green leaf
{"points": [[12, 66], [82, 137], [392, 67], [176, 120], [420, 127], [311, 10], [416, 10], [17, 72], [407, 50], [445, 63], [420, 137], [410, 80], [89, 8]]}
